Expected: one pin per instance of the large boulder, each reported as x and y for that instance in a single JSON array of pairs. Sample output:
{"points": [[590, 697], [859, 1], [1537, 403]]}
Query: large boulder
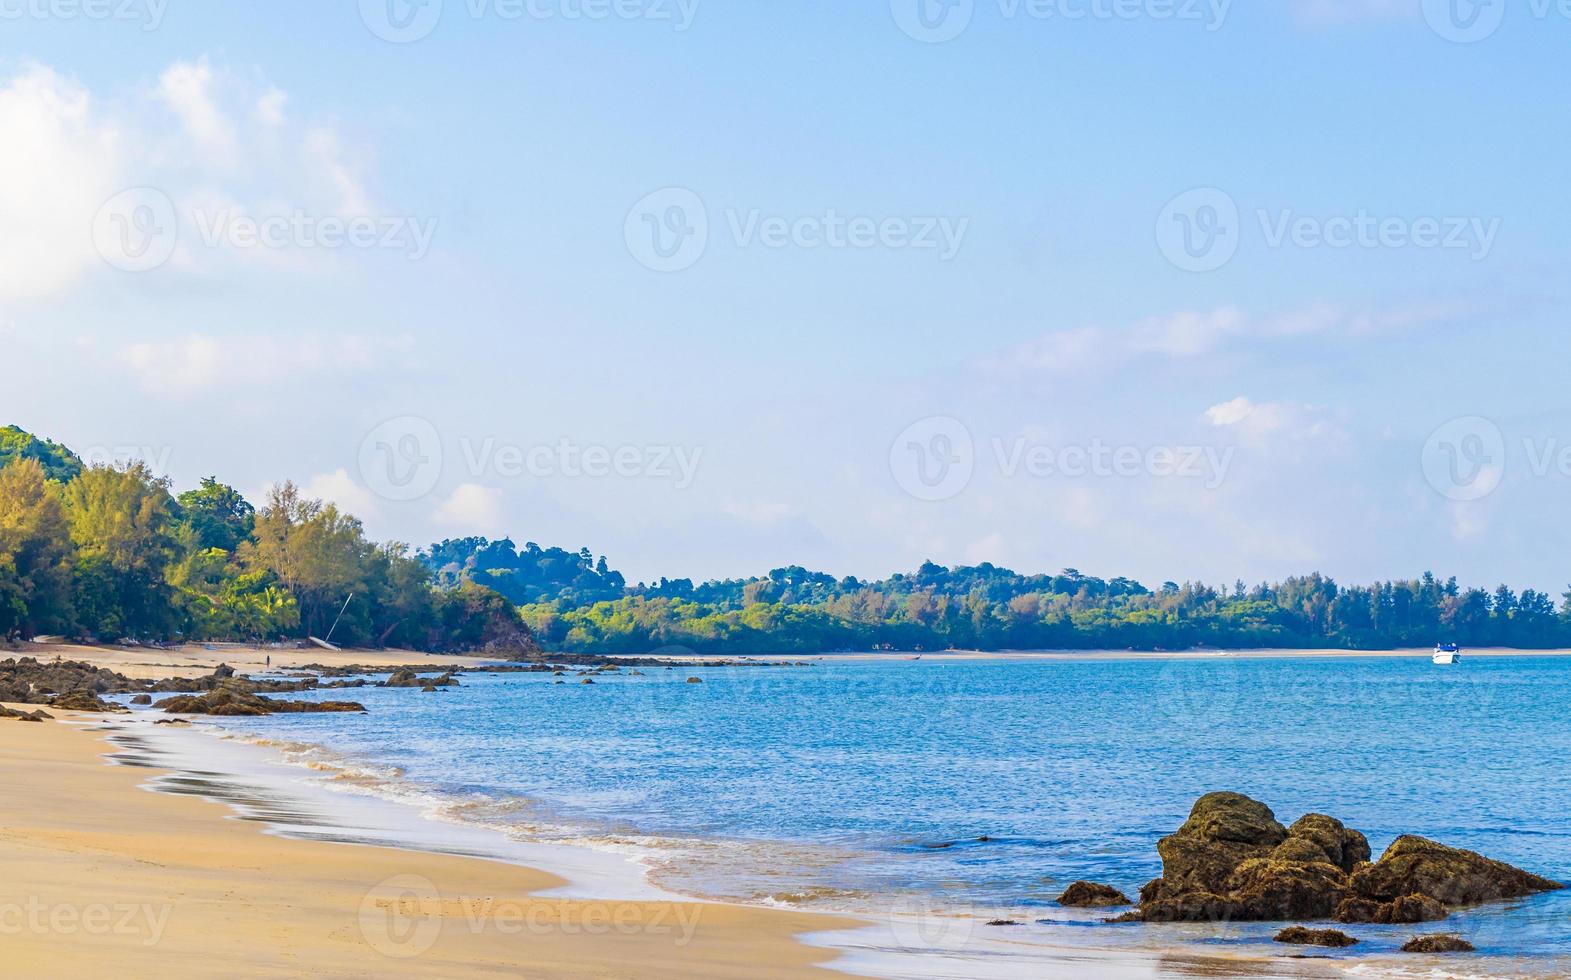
{"points": [[1417, 866], [1267, 890], [1439, 942], [1336, 843], [1223, 831]]}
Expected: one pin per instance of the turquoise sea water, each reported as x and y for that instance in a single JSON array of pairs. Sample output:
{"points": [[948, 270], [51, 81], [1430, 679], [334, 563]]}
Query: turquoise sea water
{"points": [[848, 784]]}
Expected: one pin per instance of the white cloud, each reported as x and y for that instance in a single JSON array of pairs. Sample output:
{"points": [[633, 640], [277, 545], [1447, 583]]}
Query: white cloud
{"points": [[759, 511], [199, 362], [60, 163], [189, 91], [339, 487], [1198, 333], [1269, 421], [231, 149], [473, 508]]}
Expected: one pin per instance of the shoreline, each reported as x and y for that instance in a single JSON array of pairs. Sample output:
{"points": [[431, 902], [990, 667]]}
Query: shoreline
{"points": [[434, 879]]}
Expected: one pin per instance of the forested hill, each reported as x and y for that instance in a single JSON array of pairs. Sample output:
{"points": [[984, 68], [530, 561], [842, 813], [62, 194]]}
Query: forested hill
{"points": [[575, 602]]}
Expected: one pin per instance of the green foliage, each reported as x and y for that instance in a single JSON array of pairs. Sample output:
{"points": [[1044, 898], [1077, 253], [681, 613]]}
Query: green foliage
{"points": [[218, 516], [530, 576], [35, 552], [121, 521], [60, 464]]}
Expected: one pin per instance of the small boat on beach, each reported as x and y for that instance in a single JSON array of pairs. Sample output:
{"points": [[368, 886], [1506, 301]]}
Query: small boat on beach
{"points": [[1447, 654]]}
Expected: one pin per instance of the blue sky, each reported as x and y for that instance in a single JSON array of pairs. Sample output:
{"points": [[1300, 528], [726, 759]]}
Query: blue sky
{"points": [[1020, 308]]}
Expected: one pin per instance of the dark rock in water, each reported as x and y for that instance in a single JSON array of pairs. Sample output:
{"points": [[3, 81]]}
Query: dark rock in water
{"points": [[223, 671], [1187, 907], [234, 702], [1090, 895], [587, 680], [1267, 890], [1335, 842], [171, 721], [84, 701], [1416, 866], [1231, 860], [1411, 908], [405, 677], [1223, 831], [695, 680], [1439, 942], [1300, 936], [142, 699], [1002, 922]]}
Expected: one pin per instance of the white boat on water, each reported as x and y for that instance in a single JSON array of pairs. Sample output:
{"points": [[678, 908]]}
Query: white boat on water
{"points": [[1447, 654]]}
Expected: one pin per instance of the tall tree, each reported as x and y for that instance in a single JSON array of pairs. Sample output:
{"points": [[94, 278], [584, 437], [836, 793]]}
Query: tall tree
{"points": [[36, 556], [121, 524]]}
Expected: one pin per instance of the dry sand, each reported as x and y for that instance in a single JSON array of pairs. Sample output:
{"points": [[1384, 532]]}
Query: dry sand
{"points": [[104, 879]]}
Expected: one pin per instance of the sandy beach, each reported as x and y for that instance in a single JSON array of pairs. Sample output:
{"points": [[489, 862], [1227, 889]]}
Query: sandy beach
{"points": [[103, 878]]}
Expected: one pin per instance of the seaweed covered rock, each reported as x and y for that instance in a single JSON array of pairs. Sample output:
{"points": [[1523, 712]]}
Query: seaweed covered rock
{"points": [[1439, 942], [233, 702], [1232, 860], [1336, 843], [405, 677], [1301, 936], [84, 701], [1269, 890], [1449, 875], [1090, 895], [1223, 831]]}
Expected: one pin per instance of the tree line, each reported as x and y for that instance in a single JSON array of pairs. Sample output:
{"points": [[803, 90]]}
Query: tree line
{"points": [[109, 553]]}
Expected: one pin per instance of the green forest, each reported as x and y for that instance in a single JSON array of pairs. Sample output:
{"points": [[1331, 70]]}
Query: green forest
{"points": [[109, 553]]}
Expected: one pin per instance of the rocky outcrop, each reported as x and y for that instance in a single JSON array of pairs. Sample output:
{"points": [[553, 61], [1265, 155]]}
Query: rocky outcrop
{"points": [[1232, 860], [231, 701], [404, 677], [1416, 866], [1439, 942], [34, 715], [1330, 938], [84, 701], [142, 699], [1090, 895]]}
